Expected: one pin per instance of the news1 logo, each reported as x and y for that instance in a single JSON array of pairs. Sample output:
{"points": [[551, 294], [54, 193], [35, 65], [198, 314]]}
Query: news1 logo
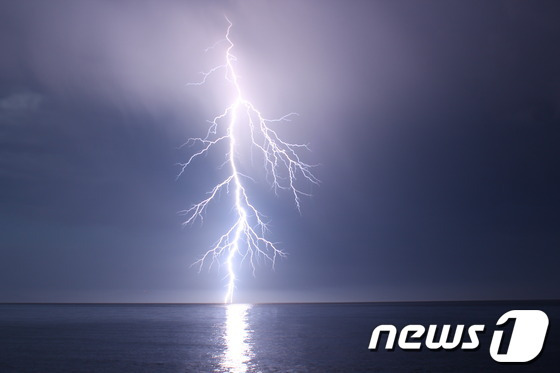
{"points": [[526, 342]]}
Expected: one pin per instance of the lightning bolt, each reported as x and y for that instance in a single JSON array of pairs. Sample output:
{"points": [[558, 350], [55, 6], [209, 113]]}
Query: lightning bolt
{"points": [[246, 238]]}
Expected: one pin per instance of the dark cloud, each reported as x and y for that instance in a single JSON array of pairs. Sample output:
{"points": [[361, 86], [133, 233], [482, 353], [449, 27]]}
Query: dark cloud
{"points": [[435, 124], [20, 102]]}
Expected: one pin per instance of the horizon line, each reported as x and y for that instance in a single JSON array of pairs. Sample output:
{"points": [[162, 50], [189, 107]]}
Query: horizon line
{"points": [[287, 303]]}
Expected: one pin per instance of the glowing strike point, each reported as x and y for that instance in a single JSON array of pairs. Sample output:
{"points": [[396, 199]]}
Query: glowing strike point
{"points": [[246, 238]]}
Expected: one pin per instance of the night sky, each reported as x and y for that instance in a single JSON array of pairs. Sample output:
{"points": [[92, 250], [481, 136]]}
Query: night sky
{"points": [[435, 124]]}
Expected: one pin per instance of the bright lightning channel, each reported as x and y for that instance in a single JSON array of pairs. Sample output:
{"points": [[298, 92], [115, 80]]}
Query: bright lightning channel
{"points": [[247, 236]]}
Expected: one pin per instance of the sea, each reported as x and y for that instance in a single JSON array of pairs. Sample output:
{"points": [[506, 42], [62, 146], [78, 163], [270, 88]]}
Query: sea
{"points": [[320, 337]]}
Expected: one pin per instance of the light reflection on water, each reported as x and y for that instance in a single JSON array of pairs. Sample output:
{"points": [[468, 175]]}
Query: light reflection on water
{"points": [[237, 337]]}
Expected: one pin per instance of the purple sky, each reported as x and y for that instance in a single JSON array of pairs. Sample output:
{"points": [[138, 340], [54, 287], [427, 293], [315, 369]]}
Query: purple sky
{"points": [[435, 124]]}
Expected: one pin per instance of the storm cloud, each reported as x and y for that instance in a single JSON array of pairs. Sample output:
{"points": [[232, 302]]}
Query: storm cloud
{"points": [[435, 125]]}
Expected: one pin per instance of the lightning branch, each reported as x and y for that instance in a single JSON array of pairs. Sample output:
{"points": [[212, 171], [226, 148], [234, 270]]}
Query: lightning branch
{"points": [[246, 238]]}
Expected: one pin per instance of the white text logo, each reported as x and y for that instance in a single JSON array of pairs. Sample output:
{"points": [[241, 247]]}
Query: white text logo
{"points": [[526, 342]]}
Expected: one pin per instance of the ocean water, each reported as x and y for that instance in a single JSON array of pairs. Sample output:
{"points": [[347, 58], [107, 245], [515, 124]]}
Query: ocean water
{"points": [[248, 338]]}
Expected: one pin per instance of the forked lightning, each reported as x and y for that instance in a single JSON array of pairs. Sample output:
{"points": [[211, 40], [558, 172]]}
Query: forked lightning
{"points": [[246, 238]]}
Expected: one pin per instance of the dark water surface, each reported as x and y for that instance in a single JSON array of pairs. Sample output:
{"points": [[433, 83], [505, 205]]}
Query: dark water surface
{"points": [[252, 338]]}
